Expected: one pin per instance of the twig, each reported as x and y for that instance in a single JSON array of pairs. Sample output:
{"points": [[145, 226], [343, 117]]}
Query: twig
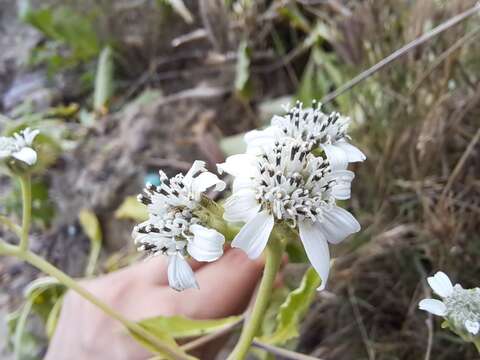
{"points": [[460, 164], [402, 51], [282, 352]]}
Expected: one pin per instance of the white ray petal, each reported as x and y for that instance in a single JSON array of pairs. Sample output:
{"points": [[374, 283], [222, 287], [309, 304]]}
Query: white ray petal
{"points": [[316, 247], [206, 180], [239, 165], [353, 153], [343, 184], [27, 155], [336, 156], [180, 274], [206, 245], [441, 284], [241, 206], [253, 236], [433, 306], [337, 224]]}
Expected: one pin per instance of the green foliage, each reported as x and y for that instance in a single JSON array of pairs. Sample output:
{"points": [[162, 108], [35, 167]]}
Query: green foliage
{"points": [[180, 327], [65, 27], [242, 71], [232, 145], [132, 209], [43, 298], [43, 209], [25, 345], [91, 227], [104, 83], [292, 310]]}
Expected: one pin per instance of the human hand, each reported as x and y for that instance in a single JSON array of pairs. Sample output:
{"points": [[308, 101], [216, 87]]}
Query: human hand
{"points": [[141, 291]]}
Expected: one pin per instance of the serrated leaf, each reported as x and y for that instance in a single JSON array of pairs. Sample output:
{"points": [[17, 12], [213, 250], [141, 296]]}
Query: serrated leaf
{"points": [[181, 327], [132, 209], [91, 227], [292, 310], [103, 81]]}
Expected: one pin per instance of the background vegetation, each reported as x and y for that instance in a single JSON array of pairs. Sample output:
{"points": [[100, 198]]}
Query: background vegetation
{"points": [[122, 88]]}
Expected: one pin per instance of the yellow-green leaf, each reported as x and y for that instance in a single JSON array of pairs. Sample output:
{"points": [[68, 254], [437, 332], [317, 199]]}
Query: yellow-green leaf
{"points": [[161, 335], [91, 227], [131, 209], [180, 327], [242, 71], [103, 81], [292, 310]]}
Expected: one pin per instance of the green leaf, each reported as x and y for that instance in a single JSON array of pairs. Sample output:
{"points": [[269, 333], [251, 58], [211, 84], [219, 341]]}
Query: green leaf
{"points": [[292, 310], [242, 70], [53, 316], [64, 26], [91, 227], [132, 209], [295, 17], [160, 334], [181, 327], [232, 145], [103, 81], [24, 344], [20, 329], [44, 294]]}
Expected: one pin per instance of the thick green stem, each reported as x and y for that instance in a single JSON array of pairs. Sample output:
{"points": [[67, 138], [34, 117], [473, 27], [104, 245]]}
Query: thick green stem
{"points": [[47, 268], [25, 182], [252, 325]]}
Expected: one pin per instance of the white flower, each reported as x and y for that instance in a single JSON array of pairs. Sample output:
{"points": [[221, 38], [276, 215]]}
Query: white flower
{"points": [[19, 147], [459, 306], [289, 184], [173, 229], [312, 127]]}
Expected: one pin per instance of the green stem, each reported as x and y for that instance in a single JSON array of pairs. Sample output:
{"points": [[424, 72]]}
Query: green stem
{"points": [[47, 268], [25, 182], [250, 329], [477, 345], [9, 224]]}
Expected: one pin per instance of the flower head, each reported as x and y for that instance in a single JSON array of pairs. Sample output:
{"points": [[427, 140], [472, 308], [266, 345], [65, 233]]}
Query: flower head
{"points": [[19, 147], [313, 128], [289, 184], [173, 229], [459, 306]]}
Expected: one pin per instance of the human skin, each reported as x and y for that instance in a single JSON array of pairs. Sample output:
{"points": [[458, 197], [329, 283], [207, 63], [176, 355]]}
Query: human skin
{"points": [[141, 291]]}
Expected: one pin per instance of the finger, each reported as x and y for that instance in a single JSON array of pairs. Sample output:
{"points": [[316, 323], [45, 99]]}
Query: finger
{"points": [[226, 287]]}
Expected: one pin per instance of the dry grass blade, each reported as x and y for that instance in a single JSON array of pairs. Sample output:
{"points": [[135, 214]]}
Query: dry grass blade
{"points": [[402, 51], [287, 354]]}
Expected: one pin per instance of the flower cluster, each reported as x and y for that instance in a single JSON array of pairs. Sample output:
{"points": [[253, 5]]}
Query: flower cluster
{"points": [[19, 147], [313, 128], [173, 229], [284, 178], [460, 307], [292, 174]]}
